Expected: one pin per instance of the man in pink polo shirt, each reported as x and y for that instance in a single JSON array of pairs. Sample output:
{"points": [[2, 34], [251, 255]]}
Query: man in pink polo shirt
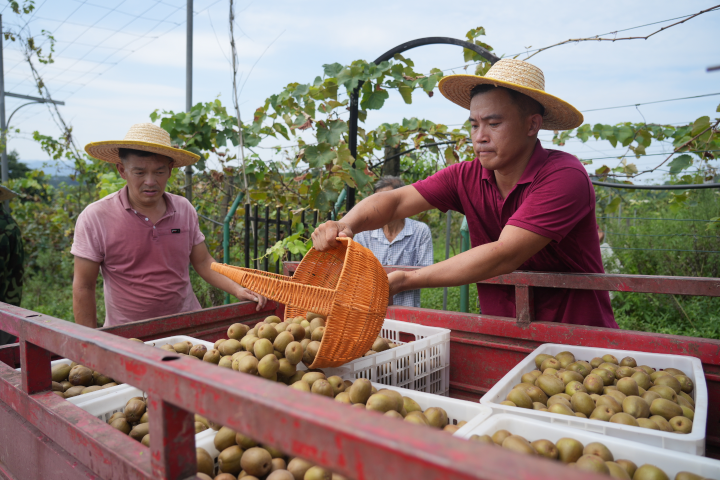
{"points": [[527, 208], [143, 238]]}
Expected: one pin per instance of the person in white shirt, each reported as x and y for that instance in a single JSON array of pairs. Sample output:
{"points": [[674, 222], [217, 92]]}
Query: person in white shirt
{"points": [[401, 242]]}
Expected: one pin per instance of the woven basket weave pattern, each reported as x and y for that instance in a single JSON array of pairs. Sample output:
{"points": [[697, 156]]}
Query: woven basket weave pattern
{"points": [[347, 284]]}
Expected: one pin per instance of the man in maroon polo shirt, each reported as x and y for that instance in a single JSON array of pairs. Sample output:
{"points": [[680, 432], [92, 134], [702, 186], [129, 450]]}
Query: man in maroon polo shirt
{"points": [[527, 208]]}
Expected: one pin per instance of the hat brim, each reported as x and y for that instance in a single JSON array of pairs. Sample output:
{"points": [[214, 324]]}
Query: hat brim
{"points": [[559, 115], [108, 151], [6, 194]]}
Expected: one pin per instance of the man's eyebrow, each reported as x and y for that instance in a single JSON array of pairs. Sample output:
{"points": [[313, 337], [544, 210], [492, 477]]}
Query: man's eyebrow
{"points": [[493, 116]]}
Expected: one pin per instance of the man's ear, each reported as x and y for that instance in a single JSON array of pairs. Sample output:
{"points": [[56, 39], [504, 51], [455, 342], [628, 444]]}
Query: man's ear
{"points": [[121, 169], [535, 124]]}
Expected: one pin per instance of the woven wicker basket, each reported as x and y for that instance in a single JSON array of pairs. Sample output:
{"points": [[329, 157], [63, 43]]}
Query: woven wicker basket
{"points": [[347, 284]]}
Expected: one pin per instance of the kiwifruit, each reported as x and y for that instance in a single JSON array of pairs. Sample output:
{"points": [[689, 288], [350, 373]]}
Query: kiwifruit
{"points": [[539, 359], [665, 408], [217, 343], [568, 376], [226, 362], [296, 331], [606, 375], [139, 431], [282, 341], [609, 401], [669, 381], [312, 377], [338, 384], [688, 476], [360, 391], [520, 398], [343, 397], [499, 436], [530, 377], [410, 405], [516, 443], [391, 413], [267, 331], [312, 348], [115, 416], [229, 460], [198, 351], [146, 440], [286, 369], [236, 357], [323, 387], [90, 389], [650, 472], [569, 450], [617, 395], [281, 327], [573, 387], [550, 385], [624, 419], [615, 470], [318, 473], [655, 375], [181, 347], [379, 403], [57, 387], [256, 461], [550, 362], [244, 442], [682, 394], [66, 385], [581, 402], [110, 385], [229, 476], [536, 394], [649, 396], [437, 417], [628, 386], [237, 331], [686, 385], [580, 367], [610, 359], [80, 375], [636, 406], [647, 423], [297, 376], [280, 474], [688, 412], [272, 319], [262, 348], [565, 358], [60, 372], [508, 403], [294, 352], [628, 362], [205, 463], [248, 342], [268, 366], [558, 399], [681, 424], [318, 333], [298, 467], [603, 413], [684, 403], [561, 409], [543, 447], [523, 386], [597, 448], [417, 418], [592, 463], [200, 427], [224, 438], [301, 385], [229, 346], [121, 424], [134, 410], [663, 424], [212, 356], [248, 364], [550, 371]]}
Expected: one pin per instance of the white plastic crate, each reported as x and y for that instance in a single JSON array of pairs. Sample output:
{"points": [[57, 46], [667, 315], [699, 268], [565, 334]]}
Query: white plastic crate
{"points": [[532, 429], [106, 391], [423, 365], [693, 442], [457, 410]]}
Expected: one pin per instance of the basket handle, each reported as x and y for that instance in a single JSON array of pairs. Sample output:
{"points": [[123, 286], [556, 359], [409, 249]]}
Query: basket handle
{"points": [[280, 288]]}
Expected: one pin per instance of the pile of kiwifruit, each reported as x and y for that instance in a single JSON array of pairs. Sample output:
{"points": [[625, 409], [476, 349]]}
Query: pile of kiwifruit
{"points": [[241, 457], [593, 457], [133, 420], [73, 380], [607, 390]]}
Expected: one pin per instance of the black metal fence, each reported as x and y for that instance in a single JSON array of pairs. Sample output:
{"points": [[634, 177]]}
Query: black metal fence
{"points": [[265, 226]]}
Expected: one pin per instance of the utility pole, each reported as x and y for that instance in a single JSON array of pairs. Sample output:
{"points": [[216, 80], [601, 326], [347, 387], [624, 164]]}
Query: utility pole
{"points": [[188, 89], [3, 130]]}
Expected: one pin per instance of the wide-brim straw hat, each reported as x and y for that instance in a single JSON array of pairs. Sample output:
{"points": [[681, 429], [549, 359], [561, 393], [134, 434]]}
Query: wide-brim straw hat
{"points": [[6, 194], [146, 137], [522, 77]]}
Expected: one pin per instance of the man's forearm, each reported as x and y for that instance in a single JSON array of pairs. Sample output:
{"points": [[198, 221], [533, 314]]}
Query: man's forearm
{"points": [[84, 308], [218, 281], [372, 212]]}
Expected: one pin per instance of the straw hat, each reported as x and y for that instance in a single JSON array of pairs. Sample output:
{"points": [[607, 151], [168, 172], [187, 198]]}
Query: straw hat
{"points": [[522, 77], [6, 194], [142, 136]]}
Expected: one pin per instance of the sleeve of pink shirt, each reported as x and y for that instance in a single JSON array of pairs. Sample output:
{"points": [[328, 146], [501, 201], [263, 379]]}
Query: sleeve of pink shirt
{"points": [[87, 240], [195, 232], [556, 204], [440, 190]]}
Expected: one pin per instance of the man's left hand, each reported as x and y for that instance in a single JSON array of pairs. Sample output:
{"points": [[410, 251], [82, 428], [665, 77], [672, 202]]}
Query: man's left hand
{"points": [[396, 280], [245, 294]]}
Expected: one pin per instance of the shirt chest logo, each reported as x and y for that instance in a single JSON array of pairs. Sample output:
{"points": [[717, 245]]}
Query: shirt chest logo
{"points": [[175, 230]]}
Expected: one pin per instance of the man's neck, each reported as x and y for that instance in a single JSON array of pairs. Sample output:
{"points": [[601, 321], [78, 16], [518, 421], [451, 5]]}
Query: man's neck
{"points": [[507, 178], [155, 210], [393, 229]]}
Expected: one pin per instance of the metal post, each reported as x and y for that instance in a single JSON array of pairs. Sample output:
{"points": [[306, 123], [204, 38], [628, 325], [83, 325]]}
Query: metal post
{"points": [[465, 246], [188, 89], [447, 253], [226, 234], [3, 136]]}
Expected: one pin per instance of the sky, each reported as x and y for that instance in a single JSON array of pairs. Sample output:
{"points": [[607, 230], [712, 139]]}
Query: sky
{"points": [[119, 60]]}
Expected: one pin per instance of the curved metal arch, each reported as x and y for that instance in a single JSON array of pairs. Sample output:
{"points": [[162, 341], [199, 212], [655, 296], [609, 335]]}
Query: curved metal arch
{"points": [[353, 121]]}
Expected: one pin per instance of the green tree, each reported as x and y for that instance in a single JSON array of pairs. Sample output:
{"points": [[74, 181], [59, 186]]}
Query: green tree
{"points": [[16, 169]]}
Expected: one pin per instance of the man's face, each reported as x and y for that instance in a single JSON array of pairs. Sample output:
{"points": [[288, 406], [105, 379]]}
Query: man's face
{"points": [[500, 132], [146, 177]]}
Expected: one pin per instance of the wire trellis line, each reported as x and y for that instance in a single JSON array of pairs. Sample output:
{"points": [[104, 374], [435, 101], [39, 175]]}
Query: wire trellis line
{"points": [[650, 218], [664, 250]]}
